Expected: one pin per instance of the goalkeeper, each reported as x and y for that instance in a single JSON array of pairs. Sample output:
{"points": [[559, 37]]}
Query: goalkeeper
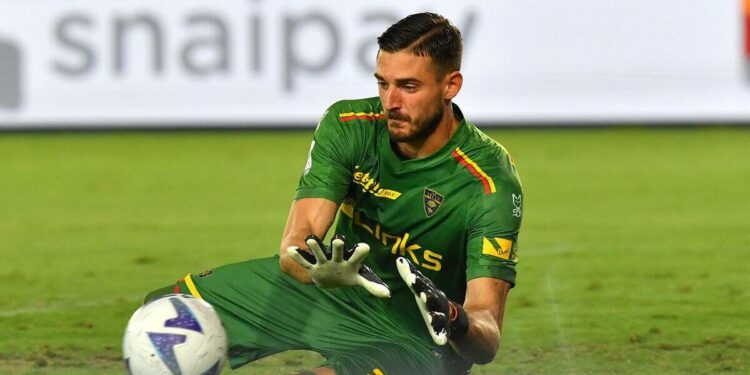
{"points": [[416, 276]]}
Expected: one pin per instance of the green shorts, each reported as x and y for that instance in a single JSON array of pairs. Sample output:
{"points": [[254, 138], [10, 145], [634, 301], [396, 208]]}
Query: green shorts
{"points": [[267, 312]]}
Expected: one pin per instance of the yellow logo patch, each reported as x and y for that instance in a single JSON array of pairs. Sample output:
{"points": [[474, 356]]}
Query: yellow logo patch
{"points": [[497, 247]]}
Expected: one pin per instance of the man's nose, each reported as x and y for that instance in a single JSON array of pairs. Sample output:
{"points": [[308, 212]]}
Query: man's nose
{"points": [[392, 99]]}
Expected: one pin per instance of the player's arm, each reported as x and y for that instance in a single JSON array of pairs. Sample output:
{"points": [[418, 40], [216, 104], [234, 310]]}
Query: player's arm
{"points": [[308, 260], [484, 306], [473, 329], [307, 216], [491, 259]]}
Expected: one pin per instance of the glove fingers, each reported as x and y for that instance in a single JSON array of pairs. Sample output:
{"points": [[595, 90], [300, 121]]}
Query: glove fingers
{"points": [[303, 258], [436, 300], [439, 322], [434, 303], [404, 270], [427, 297], [372, 283], [360, 252], [314, 244], [377, 289], [337, 249], [437, 327], [418, 275], [420, 284], [411, 276], [368, 274]]}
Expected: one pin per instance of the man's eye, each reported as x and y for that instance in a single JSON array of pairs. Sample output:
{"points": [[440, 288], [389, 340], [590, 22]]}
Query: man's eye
{"points": [[383, 85]]}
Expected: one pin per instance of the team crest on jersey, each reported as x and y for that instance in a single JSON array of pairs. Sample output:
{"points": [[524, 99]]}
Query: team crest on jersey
{"points": [[432, 201]]}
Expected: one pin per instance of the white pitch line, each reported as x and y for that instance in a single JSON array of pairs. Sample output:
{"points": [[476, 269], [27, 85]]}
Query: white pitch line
{"points": [[58, 307], [557, 318]]}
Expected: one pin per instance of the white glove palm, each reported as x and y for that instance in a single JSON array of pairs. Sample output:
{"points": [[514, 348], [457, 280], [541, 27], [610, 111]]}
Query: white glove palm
{"points": [[336, 267]]}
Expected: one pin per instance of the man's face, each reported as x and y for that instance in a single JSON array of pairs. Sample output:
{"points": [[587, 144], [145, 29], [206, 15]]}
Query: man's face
{"points": [[412, 96]]}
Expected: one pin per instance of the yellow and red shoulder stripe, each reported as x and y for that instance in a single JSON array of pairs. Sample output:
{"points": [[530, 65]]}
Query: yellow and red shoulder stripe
{"points": [[463, 159], [371, 116]]}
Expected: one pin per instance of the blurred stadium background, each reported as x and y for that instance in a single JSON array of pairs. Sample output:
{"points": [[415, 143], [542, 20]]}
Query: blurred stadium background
{"points": [[143, 140]]}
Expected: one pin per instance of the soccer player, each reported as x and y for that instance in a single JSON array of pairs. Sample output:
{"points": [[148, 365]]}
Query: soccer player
{"points": [[428, 207]]}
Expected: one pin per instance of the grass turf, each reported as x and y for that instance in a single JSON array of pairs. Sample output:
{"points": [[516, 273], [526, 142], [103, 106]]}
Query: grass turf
{"points": [[633, 247]]}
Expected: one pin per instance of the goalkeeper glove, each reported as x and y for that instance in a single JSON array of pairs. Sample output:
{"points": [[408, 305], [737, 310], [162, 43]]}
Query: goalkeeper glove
{"points": [[445, 319], [335, 267]]}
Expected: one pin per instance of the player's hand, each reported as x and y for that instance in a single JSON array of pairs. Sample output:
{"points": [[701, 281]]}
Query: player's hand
{"points": [[445, 319], [335, 267]]}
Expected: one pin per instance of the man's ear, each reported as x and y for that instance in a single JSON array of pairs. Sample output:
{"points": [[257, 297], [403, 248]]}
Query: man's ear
{"points": [[453, 82]]}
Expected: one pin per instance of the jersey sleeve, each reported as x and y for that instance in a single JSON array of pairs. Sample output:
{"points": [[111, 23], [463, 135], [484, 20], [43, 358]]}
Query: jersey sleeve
{"points": [[329, 166], [493, 225]]}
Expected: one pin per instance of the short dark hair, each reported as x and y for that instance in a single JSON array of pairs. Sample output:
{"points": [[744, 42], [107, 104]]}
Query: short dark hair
{"points": [[426, 34]]}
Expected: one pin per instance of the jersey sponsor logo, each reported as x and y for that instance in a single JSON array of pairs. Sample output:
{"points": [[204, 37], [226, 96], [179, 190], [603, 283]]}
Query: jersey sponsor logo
{"points": [[497, 247], [484, 178], [432, 201], [516, 205], [372, 186], [400, 244]]}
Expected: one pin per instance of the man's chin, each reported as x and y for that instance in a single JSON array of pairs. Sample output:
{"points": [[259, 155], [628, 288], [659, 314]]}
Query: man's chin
{"points": [[398, 138], [398, 133]]}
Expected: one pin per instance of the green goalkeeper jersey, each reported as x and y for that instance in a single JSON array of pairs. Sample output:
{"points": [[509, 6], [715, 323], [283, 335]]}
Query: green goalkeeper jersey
{"points": [[455, 214]]}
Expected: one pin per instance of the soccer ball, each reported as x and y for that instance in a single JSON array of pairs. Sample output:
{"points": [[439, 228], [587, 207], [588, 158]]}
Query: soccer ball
{"points": [[175, 335]]}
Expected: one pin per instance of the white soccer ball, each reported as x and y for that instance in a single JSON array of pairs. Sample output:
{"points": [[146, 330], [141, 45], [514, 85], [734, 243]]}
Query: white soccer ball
{"points": [[177, 334]]}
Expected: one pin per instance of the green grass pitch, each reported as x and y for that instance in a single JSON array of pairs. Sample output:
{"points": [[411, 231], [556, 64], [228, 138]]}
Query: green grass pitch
{"points": [[634, 248]]}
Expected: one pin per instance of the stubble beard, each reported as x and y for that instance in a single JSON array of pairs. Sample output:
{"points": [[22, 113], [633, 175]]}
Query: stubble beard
{"points": [[423, 129]]}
